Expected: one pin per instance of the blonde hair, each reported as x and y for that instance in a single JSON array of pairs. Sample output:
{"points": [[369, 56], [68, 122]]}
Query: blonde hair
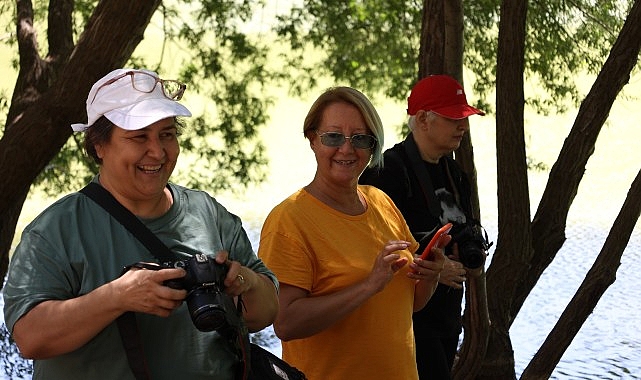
{"points": [[361, 102]]}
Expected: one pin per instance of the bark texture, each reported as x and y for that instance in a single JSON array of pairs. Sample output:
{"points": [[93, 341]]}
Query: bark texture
{"points": [[51, 91]]}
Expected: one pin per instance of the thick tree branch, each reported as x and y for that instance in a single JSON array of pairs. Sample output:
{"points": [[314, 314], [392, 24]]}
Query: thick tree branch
{"points": [[599, 278], [29, 84], [113, 32], [60, 30], [25, 33]]}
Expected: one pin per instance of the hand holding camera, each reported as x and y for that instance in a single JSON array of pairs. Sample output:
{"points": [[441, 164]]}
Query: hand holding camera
{"points": [[209, 306], [140, 292], [453, 274], [205, 279]]}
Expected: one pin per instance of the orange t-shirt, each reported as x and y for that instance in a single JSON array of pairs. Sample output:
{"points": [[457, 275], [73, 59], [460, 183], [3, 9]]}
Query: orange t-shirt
{"points": [[309, 245]]}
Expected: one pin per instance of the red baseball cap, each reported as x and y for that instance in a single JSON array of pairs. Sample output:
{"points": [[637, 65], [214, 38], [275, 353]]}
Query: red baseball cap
{"points": [[440, 94]]}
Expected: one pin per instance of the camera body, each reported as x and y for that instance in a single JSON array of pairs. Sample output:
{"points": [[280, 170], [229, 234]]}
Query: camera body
{"points": [[209, 306], [472, 243]]}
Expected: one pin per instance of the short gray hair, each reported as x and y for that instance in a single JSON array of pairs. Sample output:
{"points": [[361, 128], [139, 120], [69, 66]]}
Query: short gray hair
{"points": [[411, 122]]}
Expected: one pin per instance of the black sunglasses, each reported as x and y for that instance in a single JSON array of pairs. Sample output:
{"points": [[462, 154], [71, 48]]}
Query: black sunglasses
{"points": [[336, 139]]}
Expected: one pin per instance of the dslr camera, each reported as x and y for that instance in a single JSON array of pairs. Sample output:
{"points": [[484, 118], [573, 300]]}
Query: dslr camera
{"points": [[472, 243], [209, 306]]}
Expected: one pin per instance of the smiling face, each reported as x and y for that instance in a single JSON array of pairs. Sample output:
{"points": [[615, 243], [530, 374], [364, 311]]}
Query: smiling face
{"points": [[136, 165], [341, 165]]}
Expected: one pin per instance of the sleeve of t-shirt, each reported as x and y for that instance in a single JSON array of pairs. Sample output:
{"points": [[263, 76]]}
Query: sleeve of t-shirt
{"points": [[283, 251], [36, 274]]}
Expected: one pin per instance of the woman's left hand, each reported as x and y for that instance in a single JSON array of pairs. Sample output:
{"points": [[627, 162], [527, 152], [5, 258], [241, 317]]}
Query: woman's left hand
{"points": [[260, 297], [239, 279], [429, 270]]}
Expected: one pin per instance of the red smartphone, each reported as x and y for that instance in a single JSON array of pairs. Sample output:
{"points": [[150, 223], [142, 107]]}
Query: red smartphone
{"points": [[437, 241]]}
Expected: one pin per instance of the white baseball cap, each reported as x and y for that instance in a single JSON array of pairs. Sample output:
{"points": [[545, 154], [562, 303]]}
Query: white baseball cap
{"points": [[115, 97]]}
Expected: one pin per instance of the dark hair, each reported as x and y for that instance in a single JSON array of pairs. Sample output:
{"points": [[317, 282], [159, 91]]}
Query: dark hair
{"points": [[100, 133]]}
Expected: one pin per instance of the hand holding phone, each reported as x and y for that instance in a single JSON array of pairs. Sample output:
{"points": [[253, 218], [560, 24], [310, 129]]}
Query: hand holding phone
{"points": [[437, 241]]}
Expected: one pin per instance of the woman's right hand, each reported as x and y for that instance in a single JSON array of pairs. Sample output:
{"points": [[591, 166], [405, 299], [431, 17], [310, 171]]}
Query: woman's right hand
{"points": [[387, 263], [144, 291], [66, 325]]}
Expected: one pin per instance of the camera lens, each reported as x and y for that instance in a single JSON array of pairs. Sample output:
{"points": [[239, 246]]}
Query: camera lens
{"points": [[471, 257], [206, 310], [209, 318]]}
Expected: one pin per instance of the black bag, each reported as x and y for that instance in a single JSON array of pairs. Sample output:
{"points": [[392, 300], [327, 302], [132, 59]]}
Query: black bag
{"points": [[267, 366]]}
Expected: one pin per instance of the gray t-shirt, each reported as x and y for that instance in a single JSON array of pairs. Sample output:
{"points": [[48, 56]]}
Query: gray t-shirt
{"points": [[75, 246]]}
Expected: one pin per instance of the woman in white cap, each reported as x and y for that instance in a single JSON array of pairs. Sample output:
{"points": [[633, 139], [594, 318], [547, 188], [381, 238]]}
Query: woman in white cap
{"points": [[65, 290]]}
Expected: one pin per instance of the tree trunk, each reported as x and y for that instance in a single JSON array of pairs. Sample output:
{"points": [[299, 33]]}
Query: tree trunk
{"points": [[431, 55], [45, 112], [442, 53], [476, 324], [510, 261]]}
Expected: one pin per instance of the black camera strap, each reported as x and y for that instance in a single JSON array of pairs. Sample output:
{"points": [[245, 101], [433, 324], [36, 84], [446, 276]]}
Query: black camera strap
{"points": [[134, 225], [127, 324]]}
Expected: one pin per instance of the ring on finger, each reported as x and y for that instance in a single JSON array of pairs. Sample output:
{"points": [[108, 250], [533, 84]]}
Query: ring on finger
{"points": [[240, 278]]}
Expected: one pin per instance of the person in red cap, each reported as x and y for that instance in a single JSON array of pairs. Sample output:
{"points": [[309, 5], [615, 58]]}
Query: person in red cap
{"points": [[431, 190]]}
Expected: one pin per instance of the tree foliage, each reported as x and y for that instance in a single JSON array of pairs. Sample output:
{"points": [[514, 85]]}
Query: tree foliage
{"points": [[372, 45], [360, 40], [375, 45], [226, 68]]}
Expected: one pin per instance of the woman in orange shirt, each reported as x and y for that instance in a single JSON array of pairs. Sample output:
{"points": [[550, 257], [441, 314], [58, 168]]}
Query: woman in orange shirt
{"points": [[343, 254]]}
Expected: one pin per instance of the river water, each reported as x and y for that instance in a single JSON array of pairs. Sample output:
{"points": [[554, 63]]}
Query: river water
{"points": [[608, 346]]}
